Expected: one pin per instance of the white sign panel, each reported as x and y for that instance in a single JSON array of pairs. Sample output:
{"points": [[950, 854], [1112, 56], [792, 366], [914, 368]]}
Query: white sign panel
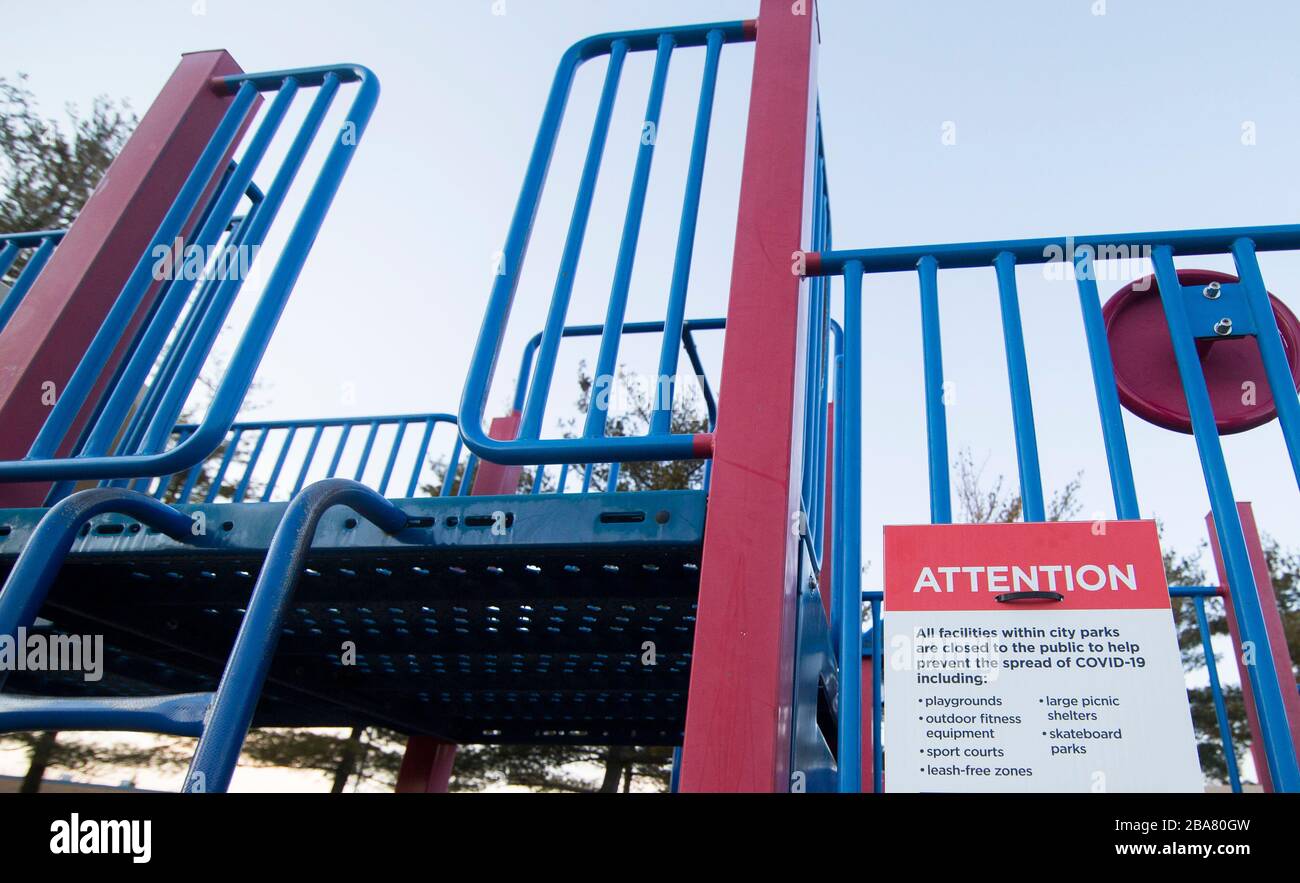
{"points": [[1032, 657]]}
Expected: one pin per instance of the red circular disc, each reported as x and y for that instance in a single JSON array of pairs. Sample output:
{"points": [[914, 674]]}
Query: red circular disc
{"points": [[1146, 372]]}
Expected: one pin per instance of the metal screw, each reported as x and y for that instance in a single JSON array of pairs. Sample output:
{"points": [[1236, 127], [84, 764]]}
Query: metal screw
{"points": [[1223, 327], [1212, 291]]}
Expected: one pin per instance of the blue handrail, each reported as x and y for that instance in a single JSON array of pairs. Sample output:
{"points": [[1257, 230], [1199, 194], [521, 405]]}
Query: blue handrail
{"points": [[231, 712], [594, 445], [147, 454], [412, 436]]}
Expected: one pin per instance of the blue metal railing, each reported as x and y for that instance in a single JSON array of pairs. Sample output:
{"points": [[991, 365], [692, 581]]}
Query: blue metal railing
{"points": [[1002, 257], [297, 448], [127, 436], [36, 248], [592, 444], [221, 719], [525, 388]]}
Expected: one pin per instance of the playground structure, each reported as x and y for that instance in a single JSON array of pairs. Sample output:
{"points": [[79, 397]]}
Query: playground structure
{"points": [[485, 605]]}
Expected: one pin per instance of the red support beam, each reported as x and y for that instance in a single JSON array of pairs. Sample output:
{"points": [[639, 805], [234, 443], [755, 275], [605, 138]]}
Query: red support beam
{"points": [[1282, 660], [426, 766], [739, 704], [47, 335], [868, 725], [493, 479]]}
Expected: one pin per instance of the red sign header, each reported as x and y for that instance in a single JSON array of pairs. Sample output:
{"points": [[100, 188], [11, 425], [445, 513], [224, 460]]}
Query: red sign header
{"points": [[1093, 565]]}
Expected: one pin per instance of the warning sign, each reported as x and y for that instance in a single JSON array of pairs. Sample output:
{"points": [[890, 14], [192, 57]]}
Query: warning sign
{"points": [[1032, 657]]}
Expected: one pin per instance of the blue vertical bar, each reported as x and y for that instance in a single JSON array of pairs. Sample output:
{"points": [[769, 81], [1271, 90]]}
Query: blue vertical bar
{"points": [[877, 700], [530, 423], [661, 417], [611, 485], [188, 488], [392, 458], [467, 477], [1271, 351], [279, 464], [421, 452], [231, 447], [247, 477], [365, 451], [936, 408], [344, 432], [307, 460], [449, 477], [8, 255], [1022, 407], [838, 517], [35, 264], [1103, 380], [564, 477], [1216, 691], [617, 311], [1227, 524], [850, 551]]}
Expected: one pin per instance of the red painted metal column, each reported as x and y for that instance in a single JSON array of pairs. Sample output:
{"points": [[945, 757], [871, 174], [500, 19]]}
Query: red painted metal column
{"points": [[493, 479], [45, 338], [426, 766], [427, 763], [868, 725], [742, 672], [1282, 660]]}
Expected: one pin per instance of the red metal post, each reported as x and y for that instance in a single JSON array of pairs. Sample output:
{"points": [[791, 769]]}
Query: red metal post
{"points": [[739, 705], [493, 479], [426, 766], [46, 336], [868, 725], [1282, 660]]}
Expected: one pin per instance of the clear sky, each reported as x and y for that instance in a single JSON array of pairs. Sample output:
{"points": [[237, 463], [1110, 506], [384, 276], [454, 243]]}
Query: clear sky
{"points": [[1066, 121]]}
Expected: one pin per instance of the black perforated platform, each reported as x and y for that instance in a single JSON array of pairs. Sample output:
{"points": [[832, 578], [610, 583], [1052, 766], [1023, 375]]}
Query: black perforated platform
{"points": [[575, 625]]}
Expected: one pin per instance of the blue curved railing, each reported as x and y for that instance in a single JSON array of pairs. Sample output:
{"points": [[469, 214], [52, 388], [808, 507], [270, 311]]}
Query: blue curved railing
{"points": [[221, 719], [231, 711], [124, 441], [593, 445], [297, 448]]}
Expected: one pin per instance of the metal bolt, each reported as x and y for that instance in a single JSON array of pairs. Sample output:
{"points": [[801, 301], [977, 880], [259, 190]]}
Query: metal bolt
{"points": [[1212, 291], [1223, 327]]}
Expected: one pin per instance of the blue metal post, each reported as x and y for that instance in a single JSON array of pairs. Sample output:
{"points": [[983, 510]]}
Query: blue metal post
{"points": [[1275, 731], [849, 599], [602, 380], [1022, 406], [936, 413], [1216, 690], [1103, 380]]}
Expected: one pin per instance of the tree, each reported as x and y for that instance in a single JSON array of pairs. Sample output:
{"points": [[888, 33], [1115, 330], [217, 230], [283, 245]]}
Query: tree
{"points": [[48, 169]]}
